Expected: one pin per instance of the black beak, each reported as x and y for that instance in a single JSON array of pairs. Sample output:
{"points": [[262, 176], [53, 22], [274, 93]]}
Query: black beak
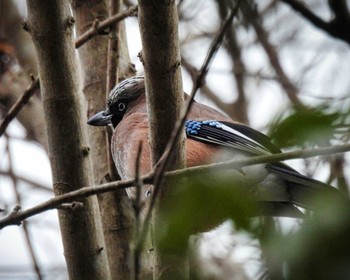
{"points": [[101, 119]]}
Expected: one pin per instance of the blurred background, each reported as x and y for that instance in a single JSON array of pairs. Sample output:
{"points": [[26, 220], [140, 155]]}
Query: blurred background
{"points": [[276, 71]]}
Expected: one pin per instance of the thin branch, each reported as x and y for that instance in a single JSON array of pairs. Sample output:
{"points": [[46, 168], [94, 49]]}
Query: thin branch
{"points": [[26, 180], [207, 91], [13, 85], [112, 74], [302, 9], [238, 107], [100, 26], [16, 216], [137, 203], [337, 171], [16, 108], [253, 17], [25, 224], [238, 164], [340, 9], [337, 27], [113, 48]]}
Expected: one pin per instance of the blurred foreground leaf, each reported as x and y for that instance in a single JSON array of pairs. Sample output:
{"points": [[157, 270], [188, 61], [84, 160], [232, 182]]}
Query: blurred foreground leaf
{"points": [[305, 126], [202, 204], [320, 249]]}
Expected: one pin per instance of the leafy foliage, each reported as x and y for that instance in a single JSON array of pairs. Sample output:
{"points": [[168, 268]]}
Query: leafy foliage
{"points": [[319, 249], [202, 204], [305, 126]]}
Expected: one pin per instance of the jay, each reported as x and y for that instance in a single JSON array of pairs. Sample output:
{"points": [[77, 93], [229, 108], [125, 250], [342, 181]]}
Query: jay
{"points": [[210, 137]]}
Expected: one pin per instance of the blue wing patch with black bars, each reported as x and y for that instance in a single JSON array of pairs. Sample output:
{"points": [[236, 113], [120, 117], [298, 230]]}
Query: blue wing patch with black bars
{"points": [[232, 136]]}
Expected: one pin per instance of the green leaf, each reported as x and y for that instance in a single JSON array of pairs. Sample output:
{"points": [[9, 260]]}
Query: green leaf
{"points": [[202, 204], [305, 126], [320, 249]]}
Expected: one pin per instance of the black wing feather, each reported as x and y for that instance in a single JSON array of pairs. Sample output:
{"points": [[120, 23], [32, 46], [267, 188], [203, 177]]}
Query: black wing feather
{"points": [[255, 135], [231, 135]]}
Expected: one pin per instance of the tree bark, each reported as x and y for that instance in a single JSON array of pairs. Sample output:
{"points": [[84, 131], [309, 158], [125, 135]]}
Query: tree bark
{"points": [[158, 22], [115, 206], [51, 27]]}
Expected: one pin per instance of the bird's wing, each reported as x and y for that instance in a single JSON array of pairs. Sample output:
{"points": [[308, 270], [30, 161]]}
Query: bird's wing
{"points": [[299, 188], [232, 135]]}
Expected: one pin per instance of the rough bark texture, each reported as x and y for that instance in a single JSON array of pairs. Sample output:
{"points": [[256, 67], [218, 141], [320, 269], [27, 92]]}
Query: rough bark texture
{"points": [[115, 207], [51, 27], [161, 58], [158, 22]]}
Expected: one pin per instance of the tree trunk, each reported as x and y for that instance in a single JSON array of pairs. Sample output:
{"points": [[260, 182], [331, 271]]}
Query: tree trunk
{"points": [[115, 206], [51, 26], [158, 22]]}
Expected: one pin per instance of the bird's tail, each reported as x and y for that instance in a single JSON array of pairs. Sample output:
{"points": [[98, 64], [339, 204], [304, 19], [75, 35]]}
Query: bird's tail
{"points": [[301, 189]]}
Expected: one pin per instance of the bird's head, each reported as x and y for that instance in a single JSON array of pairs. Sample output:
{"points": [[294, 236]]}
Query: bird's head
{"points": [[118, 100]]}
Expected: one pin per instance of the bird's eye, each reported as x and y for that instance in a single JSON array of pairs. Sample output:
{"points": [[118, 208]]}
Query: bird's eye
{"points": [[121, 107]]}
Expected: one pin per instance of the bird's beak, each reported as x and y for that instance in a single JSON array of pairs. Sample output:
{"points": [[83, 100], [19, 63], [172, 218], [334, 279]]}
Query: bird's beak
{"points": [[101, 118]]}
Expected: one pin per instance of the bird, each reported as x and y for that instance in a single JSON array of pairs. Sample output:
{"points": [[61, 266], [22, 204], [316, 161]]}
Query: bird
{"points": [[211, 137]]}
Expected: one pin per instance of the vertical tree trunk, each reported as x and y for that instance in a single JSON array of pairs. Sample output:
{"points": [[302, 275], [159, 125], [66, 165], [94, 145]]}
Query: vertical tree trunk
{"points": [[115, 207], [158, 22], [51, 27]]}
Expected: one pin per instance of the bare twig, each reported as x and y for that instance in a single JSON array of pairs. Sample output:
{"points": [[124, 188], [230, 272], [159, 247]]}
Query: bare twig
{"points": [[25, 224], [338, 27], [137, 203], [113, 48], [73, 206], [99, 26], [337, 172], [26, 180], [16, 216], [302, 9], [13, 85], [238, 108], [16, 108], [207, 91], [290, 89], [112, 75]]}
